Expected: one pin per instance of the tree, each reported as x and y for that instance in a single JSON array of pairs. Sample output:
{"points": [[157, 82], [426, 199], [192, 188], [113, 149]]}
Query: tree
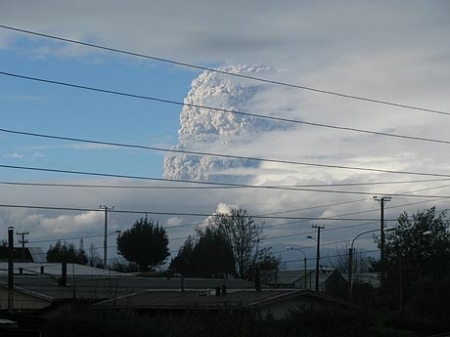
{"points": [[244, 237], [123, 266], [182, 263], [67, 252], [94, 259], [229, 245], [208, 256], [145, 244], [268, 266], [418, 249], [360, 263], [214, 254]]}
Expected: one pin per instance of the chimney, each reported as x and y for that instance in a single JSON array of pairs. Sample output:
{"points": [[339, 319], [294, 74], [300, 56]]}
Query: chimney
{"points": [[63, 279]]}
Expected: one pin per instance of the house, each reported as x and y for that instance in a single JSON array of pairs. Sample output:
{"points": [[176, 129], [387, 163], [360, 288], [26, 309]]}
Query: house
{"points": [[296, 279], [43, 286], [27, 254], [39, 285], [276, 303], [372, 279], [336, 284], [293, 279]]}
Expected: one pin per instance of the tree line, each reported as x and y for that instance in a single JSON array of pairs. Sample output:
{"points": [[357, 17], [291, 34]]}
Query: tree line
{"points": [[229, 246]]}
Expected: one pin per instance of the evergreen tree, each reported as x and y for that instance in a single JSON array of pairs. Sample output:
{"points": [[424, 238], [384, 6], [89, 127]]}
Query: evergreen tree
{"points": [[145, 244], [67, 252]]}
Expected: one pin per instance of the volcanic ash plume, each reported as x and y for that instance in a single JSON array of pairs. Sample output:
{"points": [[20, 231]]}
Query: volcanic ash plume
{"points": [[218, 131]]}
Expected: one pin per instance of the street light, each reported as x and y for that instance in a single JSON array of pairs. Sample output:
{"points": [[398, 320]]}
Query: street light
{"points": [[350, 259], [304, 260]]}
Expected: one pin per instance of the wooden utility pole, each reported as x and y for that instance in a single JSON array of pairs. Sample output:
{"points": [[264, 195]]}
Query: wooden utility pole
{"points": [[105, 242], [23, 242], [382, 201], [318, 253], [10, 269]]}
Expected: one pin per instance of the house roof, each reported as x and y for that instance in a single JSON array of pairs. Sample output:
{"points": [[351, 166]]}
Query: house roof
{"points": [[195, 299], [84, 282], [37, 254], [54, 269], [30, 254], [370, 278], [291, 276]]}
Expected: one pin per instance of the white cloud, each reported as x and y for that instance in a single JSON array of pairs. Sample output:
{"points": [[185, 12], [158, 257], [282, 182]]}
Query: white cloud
{"points": [[71, 223], [174, 221], [14, 155]]}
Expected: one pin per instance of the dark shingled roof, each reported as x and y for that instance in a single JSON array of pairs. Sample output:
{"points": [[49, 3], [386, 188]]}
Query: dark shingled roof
{"points": [[194, 299]]}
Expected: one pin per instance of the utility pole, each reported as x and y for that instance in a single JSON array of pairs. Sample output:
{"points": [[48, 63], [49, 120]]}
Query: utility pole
{"points": [[10, 269], [105, 242], [23, 242], [318, 253], [382, 201]]}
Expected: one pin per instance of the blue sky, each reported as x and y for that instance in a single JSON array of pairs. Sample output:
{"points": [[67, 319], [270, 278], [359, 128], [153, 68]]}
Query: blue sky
{"points": [[69, 112], [386, 51]]}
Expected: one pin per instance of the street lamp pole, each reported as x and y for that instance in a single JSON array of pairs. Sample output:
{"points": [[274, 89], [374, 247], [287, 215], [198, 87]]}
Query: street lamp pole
{"points": [[350, 260], [304, 261]]}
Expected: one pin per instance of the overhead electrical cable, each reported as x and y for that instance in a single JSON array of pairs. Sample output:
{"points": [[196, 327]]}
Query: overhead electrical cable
{"points": [[237, 185], [203, 68], [279, 119], [167, 213], [279, 161], [18, 183], [96, 186]]}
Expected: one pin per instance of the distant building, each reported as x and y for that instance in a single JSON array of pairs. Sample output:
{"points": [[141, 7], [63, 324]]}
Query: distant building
{"points": [[295, 279], [28, 254], [276, 303], [43, 286]]}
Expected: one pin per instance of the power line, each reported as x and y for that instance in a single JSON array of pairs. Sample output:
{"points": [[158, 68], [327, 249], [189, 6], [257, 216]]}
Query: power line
{"points": [[167, 213], [173, 102], [271, 238], [17, 183], [14, 183], [236, 185], [203, 68], [279, 161], [239, 185]]}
